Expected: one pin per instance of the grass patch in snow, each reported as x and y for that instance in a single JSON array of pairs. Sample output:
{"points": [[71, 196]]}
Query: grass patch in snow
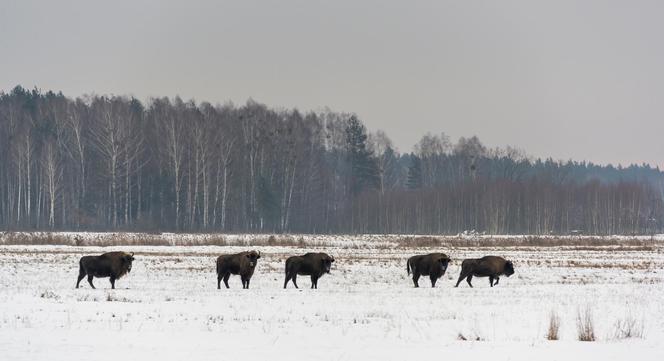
{"points": [[553, 333], [585, 325]]}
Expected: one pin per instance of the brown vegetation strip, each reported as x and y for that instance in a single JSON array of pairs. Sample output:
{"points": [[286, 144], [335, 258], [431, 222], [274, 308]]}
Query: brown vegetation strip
{"points": [[390, 241], [532, 241]]}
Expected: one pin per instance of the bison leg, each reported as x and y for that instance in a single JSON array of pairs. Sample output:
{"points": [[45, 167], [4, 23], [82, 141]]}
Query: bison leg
{"points": [[295, 280], [90, 281], [497, 279], [461, 277], [286, 281], [248, 279], [314, 281], [433, 280], [416, 276], [470, 278], [81, 275], [218, 281], [226, 277], [112, 282], [244, 282]]}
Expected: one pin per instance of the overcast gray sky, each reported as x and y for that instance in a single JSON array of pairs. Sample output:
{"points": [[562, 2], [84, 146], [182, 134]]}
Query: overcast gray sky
{"points": [[567, 79]]}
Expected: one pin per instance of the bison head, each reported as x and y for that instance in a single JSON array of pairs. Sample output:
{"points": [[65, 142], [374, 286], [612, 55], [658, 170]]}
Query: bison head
{"points": [[327, 262], [127, 259], [253, 258], [443, 262], [509, 268]]}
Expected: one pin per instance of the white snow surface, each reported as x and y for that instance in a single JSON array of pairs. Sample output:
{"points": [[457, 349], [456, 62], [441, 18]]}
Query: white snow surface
{"points": [[168, 307]]}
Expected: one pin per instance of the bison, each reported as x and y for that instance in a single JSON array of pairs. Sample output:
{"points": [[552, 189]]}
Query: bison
{"points": [[491, 266], [433, 265], [111, 264], [243, 264], [310, 264]]}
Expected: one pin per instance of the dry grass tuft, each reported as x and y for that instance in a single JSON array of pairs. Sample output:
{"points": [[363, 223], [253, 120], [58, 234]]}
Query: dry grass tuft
{"points": [[461, 337], [628, 327], [110, 297], [585, 326], [554, 327], [50, 295]]}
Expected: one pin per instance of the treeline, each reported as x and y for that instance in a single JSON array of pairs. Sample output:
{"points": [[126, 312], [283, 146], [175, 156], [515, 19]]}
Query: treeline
{"points": [[115, 163]]}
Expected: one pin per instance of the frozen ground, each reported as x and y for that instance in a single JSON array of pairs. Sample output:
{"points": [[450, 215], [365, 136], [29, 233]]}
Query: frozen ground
{"points": [[168, 307]]}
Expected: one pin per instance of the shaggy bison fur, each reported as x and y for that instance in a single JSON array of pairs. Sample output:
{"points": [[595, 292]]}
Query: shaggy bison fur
{"points": [[489, 266], [243, 264], [433, 265], [111, 264], [310, 264]]}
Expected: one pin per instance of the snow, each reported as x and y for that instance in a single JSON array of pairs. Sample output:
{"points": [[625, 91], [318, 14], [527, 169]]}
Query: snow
{"points": [[168, 307]]}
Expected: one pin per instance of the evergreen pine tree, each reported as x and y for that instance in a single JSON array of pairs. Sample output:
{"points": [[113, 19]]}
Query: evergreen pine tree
{"points": [[364, 170]]}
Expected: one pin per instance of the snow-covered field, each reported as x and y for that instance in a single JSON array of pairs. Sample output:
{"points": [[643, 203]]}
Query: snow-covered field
{"points": [[168, 307]]}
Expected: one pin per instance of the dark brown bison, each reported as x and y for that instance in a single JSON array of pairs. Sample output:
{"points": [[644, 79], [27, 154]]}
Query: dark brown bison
{"points": [[243, 264], [111, 264], [491, 266], [310, 264], [433, 265]]}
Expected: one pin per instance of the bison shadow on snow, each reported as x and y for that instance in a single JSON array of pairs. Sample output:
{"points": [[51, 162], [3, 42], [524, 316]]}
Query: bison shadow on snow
{"points": [[243, 264], [489, 266], [310, 264], [433, 265], [111, 264]]}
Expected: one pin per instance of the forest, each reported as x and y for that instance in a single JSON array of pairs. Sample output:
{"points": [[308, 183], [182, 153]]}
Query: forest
{"points": [[107, 163]]}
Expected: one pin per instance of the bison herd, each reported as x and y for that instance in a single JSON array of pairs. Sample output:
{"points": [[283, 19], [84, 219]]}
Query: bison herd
{"points": [[117, 264]]}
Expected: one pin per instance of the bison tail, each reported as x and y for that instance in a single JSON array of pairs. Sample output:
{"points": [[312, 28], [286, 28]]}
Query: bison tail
{"points": [[408, 267]]}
